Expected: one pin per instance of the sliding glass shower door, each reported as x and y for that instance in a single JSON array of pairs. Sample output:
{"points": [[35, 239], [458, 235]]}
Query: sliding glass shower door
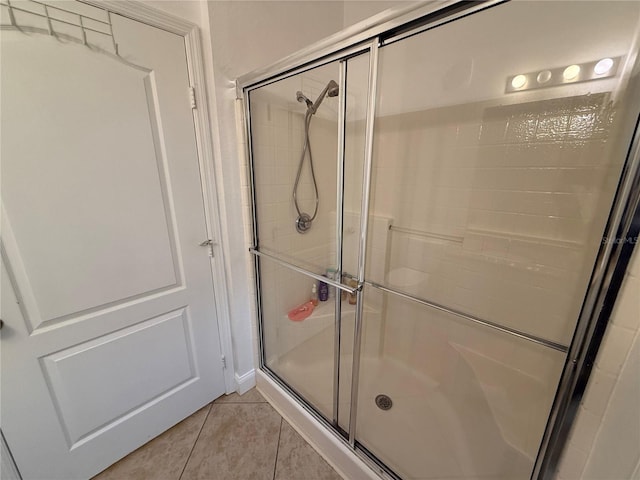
{"points": [[429, 210], [498, 147], [307, 171]]}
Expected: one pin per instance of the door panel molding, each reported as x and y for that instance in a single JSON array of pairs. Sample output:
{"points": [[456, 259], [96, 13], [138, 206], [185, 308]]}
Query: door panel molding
{"points": [[209, 163], [18, 274], [80, 414], [146, 252], [34, 323], [106, 309], [155, 122]]}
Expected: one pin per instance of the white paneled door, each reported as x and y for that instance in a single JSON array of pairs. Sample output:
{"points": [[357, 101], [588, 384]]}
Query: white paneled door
{"points": [[110, 332]]}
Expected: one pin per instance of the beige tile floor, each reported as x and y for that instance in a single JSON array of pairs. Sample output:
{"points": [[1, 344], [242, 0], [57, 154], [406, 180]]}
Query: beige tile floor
{"points": [[234, 438]]}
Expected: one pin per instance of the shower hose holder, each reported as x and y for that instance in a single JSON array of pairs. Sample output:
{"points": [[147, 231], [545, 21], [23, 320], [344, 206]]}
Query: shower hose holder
{"points": [[303, 223]]}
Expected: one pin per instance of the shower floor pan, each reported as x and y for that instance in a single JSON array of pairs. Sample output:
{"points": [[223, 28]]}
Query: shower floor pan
{"points": [[427, 434]]}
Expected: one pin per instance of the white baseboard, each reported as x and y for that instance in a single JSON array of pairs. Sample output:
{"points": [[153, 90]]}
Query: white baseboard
{"points": [[335, 452], [246, 381]]}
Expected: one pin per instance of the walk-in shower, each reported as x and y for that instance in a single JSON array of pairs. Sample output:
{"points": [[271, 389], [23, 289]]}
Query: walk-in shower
{"points": [[304, 220], [472, 162]]}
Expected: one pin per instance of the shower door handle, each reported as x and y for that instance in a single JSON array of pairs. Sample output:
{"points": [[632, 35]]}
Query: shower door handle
{"points": [[321, 278]]}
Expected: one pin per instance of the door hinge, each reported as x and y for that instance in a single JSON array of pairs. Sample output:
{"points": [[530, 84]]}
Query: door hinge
{"points": [[224, 361], [192, 97]]}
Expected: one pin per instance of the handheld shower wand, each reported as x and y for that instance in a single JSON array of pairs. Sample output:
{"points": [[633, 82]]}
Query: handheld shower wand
{"points": [[301, 97], [304, 220], [330, 90]]}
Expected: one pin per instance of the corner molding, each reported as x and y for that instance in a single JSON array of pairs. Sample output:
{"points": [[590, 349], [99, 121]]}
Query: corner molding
{"points": [[140, 12]]}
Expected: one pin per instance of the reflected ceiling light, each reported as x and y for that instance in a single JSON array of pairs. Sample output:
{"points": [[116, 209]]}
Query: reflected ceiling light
{"points": [[603, 66], [518, 81], [599, 69], [571, 72], [544, 76]]}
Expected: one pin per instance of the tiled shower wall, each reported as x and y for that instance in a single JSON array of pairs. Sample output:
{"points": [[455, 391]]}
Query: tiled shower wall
{"points": [[605, 440], [278, 139], [278, 136], [510, 202]]}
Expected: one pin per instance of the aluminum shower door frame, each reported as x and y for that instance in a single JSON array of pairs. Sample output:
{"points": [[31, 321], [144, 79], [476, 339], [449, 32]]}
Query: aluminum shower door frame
{"points": [[364, 223], [337, 340]]}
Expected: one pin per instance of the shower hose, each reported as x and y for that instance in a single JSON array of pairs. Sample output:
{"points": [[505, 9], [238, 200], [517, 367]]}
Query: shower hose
{"points": [[306, 148]]}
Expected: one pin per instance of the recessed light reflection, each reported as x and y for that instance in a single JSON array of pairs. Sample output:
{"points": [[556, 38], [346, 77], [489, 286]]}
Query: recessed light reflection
{"points": [[518, 81], [571, 72], [544, 76], [603, 66]]}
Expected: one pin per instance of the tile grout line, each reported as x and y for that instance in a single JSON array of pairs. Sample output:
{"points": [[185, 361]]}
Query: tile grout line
{"points": [[196, 441], [275, 465], [240, 403]]}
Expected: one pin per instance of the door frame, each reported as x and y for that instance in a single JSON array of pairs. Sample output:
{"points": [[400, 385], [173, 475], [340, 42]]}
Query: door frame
{"points": [[153, 17]]}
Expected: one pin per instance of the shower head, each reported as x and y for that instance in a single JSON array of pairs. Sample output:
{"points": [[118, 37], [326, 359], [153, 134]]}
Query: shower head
{"points": [[331, 90], [302, 98]]}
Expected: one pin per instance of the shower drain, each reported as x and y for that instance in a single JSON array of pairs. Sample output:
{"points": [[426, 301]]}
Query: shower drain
{"points": [[384, 402]]}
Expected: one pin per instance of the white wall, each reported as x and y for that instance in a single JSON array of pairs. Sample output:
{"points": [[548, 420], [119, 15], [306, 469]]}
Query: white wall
{"points": [[187, 9]]}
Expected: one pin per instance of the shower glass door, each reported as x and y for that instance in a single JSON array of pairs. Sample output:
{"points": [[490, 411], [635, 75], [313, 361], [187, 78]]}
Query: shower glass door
{"points": [[307, 171], [498, 147], [295, 150]]}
